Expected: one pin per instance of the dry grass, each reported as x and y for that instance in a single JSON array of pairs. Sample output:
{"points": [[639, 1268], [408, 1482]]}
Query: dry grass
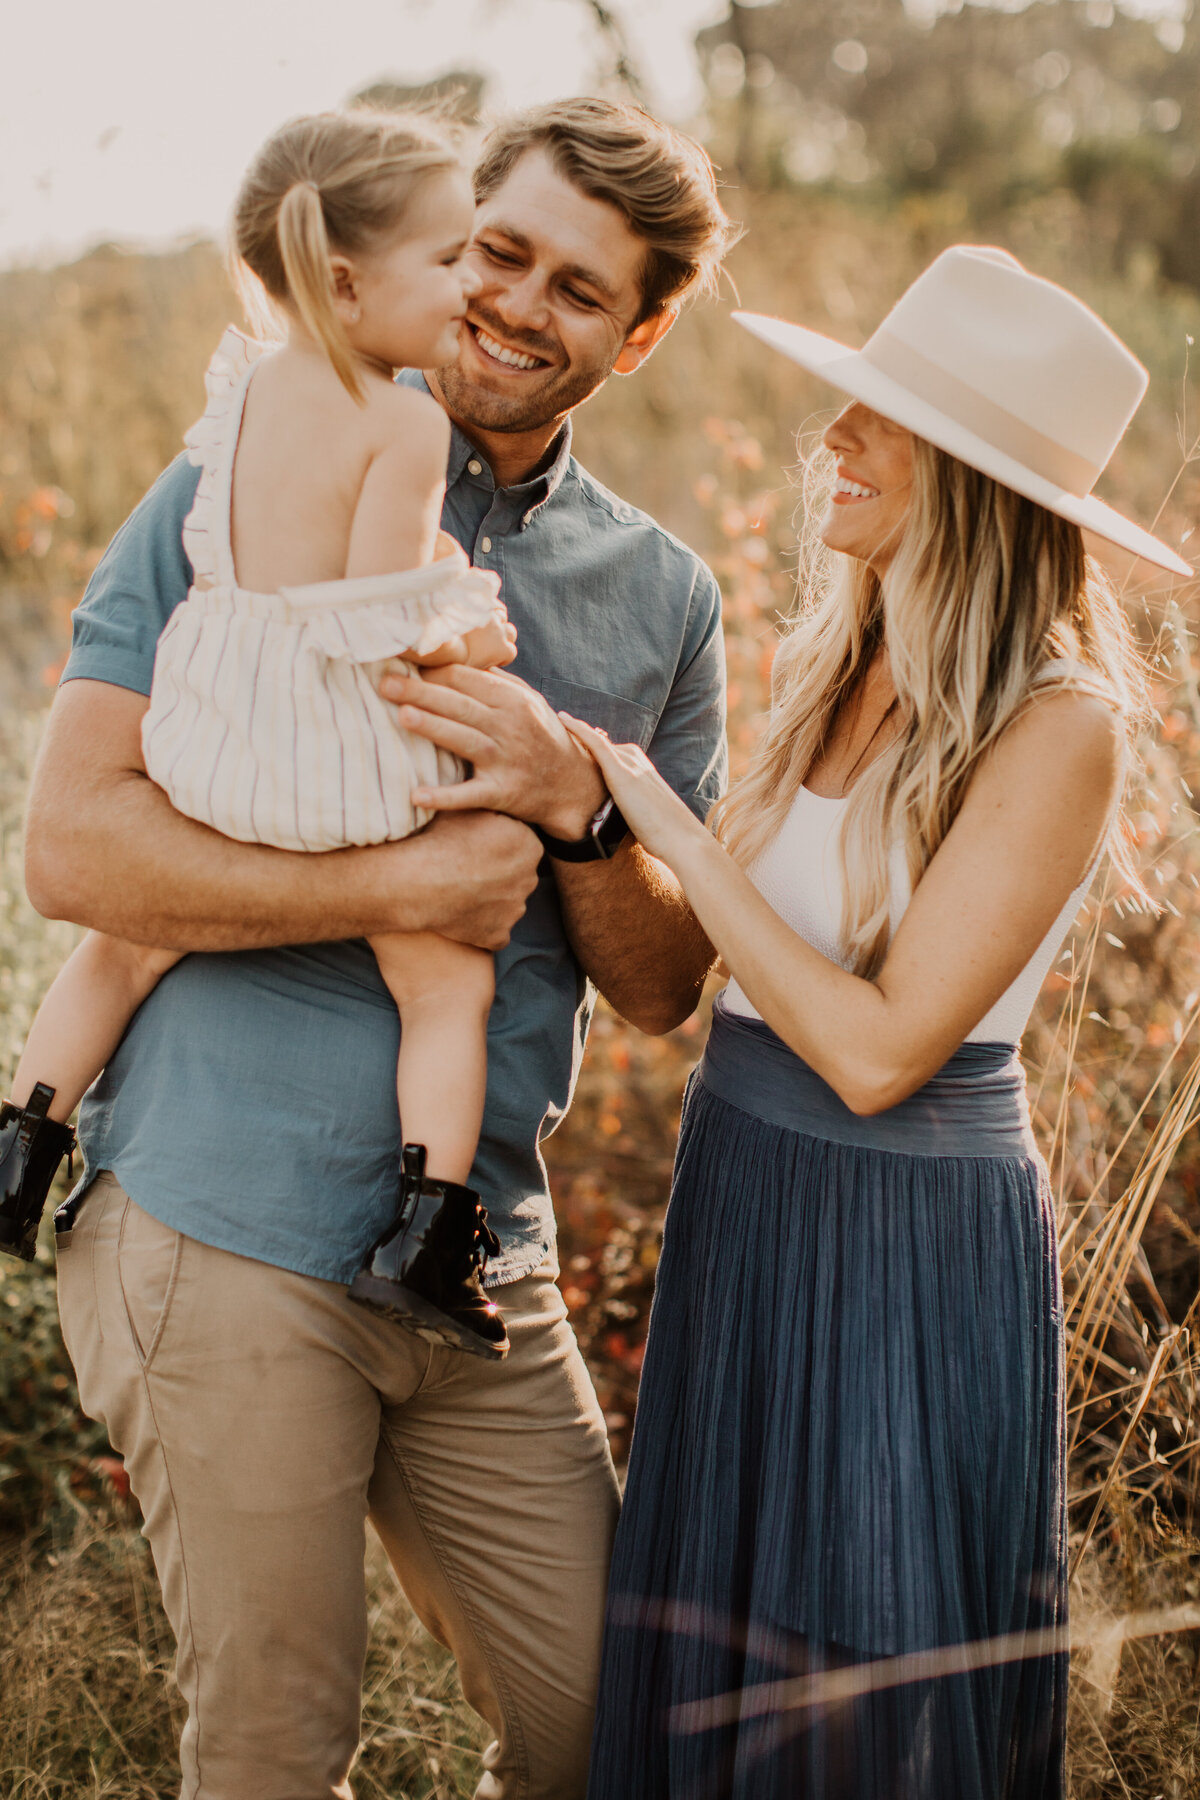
{"points": [[1135, 1701], [99, 372], [91, 1708]]}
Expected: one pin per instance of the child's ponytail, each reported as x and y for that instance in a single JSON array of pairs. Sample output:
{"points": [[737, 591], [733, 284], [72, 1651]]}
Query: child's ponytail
{"points": [[330, 183], [304, 251]]}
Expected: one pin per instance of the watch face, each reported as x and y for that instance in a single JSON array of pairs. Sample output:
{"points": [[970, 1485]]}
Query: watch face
{"points": [[606, 833], [610, 829]]}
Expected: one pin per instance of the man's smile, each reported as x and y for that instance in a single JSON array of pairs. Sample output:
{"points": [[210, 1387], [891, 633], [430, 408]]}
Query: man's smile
{"points": [[500, 355]]}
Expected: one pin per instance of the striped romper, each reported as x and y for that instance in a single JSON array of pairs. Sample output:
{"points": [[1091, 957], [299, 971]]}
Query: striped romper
{"points": [[264, 721]]}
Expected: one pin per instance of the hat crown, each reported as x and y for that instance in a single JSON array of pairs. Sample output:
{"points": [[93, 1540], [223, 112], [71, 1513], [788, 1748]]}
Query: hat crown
{"points": [[1009, 349], [1009, 373]]}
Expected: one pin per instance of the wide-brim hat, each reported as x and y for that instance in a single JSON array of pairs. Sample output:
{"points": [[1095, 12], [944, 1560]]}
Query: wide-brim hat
{"points": [[1005, 371]]}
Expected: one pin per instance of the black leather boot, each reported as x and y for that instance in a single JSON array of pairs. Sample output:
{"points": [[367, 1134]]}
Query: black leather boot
{"points": [[31, 1148], [424, 1271]]}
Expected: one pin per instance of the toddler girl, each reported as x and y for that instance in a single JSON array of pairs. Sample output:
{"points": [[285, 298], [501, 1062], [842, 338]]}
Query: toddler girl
{"points": [[316, 556]]}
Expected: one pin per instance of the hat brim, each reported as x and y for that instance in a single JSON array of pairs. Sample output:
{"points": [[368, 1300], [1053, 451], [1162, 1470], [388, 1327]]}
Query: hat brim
{"points": [[851, 372]]}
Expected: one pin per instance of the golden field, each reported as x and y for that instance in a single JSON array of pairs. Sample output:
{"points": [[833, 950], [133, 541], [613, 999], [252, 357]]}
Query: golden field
{"points": [[100, 371]]}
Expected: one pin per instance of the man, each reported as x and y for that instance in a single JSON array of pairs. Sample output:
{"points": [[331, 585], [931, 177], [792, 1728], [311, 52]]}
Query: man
{"points": [[246, 1130]]}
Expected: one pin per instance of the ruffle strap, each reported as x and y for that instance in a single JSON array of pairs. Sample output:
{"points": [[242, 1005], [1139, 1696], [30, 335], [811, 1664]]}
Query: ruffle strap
{"points": [[208, 444], [375, 616]]}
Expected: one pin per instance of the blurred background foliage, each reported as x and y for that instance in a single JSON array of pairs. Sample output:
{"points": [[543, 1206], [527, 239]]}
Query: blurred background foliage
{"points": [[855, 142]]}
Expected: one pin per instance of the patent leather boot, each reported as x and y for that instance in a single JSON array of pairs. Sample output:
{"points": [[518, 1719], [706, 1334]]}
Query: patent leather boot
{"points": [[31, 1148], [424, 1271]]}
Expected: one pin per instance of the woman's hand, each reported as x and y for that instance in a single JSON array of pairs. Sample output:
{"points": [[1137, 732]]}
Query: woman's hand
{"points": [[655, 814]]}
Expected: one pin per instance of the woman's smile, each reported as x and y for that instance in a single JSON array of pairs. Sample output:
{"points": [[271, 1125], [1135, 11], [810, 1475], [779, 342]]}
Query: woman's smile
{"points": [[869, 498], [848, 490]]}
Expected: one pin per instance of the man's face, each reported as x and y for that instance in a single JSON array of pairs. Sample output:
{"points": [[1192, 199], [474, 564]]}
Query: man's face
{"points": [[559, 289]]}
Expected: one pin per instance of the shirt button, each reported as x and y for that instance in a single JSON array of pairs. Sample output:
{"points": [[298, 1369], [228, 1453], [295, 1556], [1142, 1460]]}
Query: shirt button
{"points": [[474, 468], [485, 545]]}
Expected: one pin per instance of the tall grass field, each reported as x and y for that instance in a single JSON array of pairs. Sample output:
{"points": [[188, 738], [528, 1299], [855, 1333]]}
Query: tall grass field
{"points": [[100, 371]]}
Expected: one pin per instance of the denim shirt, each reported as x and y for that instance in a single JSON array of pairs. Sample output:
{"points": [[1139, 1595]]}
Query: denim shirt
{"points": [[252, 1103]]}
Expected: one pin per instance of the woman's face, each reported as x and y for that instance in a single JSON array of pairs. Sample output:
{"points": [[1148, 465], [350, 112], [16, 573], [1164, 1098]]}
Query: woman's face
{"points": [[869, 504]]}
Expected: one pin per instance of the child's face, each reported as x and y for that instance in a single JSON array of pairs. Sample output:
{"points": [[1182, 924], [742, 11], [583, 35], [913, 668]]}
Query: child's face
{"points": [[410, 294]]}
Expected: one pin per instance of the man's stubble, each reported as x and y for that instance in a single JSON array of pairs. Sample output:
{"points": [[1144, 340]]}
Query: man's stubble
{"points": [[477, 405]]}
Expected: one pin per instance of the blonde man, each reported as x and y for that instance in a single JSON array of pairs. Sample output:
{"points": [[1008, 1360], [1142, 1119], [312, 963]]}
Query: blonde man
{"points": [[262, 1416]]}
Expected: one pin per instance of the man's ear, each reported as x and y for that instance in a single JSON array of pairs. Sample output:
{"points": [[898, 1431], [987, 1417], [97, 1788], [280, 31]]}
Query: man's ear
{"points": [[642, 340]]}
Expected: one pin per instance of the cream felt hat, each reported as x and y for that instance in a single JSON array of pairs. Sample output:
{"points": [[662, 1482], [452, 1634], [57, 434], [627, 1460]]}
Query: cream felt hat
{"points": [[1003, 370]]}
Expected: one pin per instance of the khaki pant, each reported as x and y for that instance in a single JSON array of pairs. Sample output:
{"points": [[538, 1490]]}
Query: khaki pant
{"points": [[263, 1418]]}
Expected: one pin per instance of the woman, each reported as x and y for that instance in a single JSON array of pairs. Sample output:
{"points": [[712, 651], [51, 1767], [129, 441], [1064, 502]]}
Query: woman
{"points": [[849, 1445]]}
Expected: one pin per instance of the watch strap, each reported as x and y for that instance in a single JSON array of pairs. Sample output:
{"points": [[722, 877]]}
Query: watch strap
{"points": [[603, 838]]}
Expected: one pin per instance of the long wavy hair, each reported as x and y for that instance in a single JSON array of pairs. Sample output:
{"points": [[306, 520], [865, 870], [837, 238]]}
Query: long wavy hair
{"points": [[986, 599]]}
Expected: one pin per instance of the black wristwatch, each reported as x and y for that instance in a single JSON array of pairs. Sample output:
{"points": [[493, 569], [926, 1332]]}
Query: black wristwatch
{"points": [[602, 839]]}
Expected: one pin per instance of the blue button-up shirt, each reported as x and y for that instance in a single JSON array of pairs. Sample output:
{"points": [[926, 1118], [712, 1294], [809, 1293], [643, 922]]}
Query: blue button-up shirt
{"points": [[252, 1103]]}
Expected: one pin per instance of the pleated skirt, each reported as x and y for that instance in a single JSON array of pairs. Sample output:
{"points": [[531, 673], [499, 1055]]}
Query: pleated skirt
{"points": [[840, 1571]]}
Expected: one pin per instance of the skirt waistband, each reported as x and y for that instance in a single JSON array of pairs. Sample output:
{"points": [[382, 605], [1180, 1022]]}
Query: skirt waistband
{"points": [[975, 1106]]}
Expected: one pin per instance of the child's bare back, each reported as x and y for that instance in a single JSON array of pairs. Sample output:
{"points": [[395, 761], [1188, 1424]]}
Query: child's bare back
{"points": [[325, 486]]}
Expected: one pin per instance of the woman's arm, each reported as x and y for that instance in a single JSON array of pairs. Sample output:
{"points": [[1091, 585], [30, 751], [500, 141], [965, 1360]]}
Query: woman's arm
{"points": [[1032, 822]]}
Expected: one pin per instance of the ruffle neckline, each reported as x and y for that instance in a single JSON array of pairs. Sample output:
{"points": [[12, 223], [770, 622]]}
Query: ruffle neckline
{"points": [[360, 619]]}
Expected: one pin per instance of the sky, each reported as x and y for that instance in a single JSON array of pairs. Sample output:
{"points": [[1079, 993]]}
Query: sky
{"points": [[133, 120]]}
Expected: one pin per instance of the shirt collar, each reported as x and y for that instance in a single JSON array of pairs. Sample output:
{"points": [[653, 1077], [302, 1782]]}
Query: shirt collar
{"points": [[526, 498]]}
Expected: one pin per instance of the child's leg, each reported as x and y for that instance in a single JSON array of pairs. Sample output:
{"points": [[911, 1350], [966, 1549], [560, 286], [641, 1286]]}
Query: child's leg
{"points": [[443, 992], [84, 1017]]}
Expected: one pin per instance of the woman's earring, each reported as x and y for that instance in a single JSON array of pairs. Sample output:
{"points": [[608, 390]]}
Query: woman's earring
{"points": [[355, 316]]}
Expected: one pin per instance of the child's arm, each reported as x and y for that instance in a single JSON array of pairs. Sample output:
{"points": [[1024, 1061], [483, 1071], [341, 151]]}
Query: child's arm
{"points": [[398, 515], [399, 505], [490, 646]]}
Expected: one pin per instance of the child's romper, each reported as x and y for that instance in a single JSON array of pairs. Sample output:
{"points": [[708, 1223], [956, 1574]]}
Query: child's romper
{"points": [[264, 721]]}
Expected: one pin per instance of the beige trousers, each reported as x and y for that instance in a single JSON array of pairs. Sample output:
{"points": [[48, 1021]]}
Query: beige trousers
{"points": [[263, 1418]]}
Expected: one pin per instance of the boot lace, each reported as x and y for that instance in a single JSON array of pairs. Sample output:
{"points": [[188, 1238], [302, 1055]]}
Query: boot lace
{"points": [[484, 1242]]}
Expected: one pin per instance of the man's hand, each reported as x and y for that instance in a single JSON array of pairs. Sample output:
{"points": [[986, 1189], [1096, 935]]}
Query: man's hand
{"points": [[106, 849], [628, 922], [629, 925], [491, 869], [525, 761]]}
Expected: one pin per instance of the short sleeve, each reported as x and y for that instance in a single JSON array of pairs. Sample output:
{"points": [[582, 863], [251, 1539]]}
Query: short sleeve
{"points": [[688, 747], [140, 580]]}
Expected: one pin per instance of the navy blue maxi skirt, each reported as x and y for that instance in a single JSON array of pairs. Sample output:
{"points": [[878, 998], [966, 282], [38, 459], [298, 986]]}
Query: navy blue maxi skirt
{"points": [[840, 1571]]}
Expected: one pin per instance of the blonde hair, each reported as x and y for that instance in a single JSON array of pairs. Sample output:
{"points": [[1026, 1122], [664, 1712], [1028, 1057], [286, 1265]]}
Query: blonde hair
{"points": [[987, 591], [327, 183], [660, 180]]}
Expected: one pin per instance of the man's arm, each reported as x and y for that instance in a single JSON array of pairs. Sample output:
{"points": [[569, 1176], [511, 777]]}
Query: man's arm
{"points": [[105, 848], [636, 936]]}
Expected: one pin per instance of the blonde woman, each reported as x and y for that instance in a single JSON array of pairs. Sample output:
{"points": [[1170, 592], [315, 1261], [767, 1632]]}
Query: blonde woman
{"points": [[849, 1443]]}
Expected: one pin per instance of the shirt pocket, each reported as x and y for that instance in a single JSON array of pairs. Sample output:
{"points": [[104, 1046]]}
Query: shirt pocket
{"points": [[625, 721]]}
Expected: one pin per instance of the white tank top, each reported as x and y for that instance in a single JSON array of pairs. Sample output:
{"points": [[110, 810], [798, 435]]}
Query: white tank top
{"points": [[800, 877]]}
